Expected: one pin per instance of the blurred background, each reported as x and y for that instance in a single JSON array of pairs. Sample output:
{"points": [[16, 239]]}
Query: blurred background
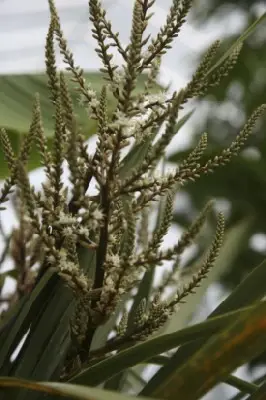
{"points": [[240, 188]]}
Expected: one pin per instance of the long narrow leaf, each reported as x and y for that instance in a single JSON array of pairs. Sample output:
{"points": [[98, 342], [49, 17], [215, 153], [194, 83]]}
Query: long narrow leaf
{"points": [[239, 40], [62, 389], [240, 384], [260, 393], [45, 338], [20, 326], [251, 289], [234, 346], [128, 358]]}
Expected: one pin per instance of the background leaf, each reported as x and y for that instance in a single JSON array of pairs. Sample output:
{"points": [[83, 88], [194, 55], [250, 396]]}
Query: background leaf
{"points": [[16, 99]]}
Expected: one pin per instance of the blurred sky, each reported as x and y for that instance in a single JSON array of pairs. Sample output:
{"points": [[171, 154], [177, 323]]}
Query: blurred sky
{"points": [[23, 28]]}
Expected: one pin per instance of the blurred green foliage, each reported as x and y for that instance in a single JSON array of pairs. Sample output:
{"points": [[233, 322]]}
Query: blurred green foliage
{"points": [[16, 99], [242, 184]]}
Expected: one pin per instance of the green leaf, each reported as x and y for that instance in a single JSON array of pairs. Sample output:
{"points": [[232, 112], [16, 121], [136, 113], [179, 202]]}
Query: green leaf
{"points": [[247, 292], [142, 352], [229, 349], [241, 395], [23, 317], [241, 384], [240, 40], [46, 336], [259, 394], [16, 99], [2, 279], [231, 380], [17, 95], [62, 389]]}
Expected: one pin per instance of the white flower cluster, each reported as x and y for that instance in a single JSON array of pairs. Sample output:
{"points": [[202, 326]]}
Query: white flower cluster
{"points": [[89, 100], [72, 275], [66, 219], [131, 126]]}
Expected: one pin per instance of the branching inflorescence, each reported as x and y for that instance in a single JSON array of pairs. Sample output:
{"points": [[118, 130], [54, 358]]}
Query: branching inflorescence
{"points": [[107, 226]]}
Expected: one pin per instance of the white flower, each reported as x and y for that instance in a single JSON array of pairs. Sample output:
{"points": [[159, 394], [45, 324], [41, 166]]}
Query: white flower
{"points": [[160, 98], [119, 76], [109, 282], [97, 214], [51, 259], [94, 103], [91, 93], [83, 231], [113, 259], [122, 118], [68, 231], [65, 219]]}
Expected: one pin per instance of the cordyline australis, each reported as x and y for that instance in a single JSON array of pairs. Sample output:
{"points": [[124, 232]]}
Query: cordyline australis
{"points": [[61, 224]]}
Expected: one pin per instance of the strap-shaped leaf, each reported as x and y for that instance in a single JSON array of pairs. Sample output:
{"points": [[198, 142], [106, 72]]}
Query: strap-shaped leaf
{"points": [[46, 335], [231, 380], [22, 319], [237, 344], [142, 352], [259, 394], [247, 292], [239, 40], [62, 389]]}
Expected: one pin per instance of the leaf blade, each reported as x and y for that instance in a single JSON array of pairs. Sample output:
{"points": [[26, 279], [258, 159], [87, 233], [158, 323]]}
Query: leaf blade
{"points": [[229, 349], [239, 40], [248, 291], [141, 352], [62, 389]]}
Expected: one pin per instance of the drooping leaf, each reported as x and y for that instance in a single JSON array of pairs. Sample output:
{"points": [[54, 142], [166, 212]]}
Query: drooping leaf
{"points": [[232, 347], [142, 352], [247, 292], [241, 384], [20, 325], [259, 394], [239, 40], [58, 390], [231, 380], [46, 336]]}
